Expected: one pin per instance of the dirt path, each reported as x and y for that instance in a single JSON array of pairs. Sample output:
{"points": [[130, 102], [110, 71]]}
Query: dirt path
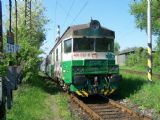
{"points": [[54, 107]]}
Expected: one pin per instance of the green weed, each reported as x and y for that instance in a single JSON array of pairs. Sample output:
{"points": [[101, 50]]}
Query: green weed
{"points": [[39, 99], [141, 68], [139, 91]]}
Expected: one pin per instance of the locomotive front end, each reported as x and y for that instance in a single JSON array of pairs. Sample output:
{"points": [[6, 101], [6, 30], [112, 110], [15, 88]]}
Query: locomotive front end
{"points": [[95, 76], [88, 65]]}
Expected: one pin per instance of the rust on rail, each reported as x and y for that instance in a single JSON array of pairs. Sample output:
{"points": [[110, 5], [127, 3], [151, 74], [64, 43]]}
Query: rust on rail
{"points": [[124, 108], [139, 72], [109, 110], [93, 115]]}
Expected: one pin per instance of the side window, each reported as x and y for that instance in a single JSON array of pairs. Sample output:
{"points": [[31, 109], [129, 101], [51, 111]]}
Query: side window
{"points": [[57, 54], [67, 46]]}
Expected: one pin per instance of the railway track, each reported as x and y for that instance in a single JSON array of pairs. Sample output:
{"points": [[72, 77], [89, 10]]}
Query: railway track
{"points": [[109, 110]]}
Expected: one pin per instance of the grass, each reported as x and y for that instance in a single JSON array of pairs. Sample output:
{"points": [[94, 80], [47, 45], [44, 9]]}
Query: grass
{"points": [[39, 99], [140, 92], [141, 68], [62, 102]]}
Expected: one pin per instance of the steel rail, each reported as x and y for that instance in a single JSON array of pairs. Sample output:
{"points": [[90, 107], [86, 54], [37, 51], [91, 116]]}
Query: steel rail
{"points": [[93, 115], [139, 72], [131, 112], [109, 110]]}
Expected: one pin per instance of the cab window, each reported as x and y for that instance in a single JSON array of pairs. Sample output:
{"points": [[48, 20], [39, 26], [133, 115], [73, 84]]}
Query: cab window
{"points": [[67, 46]]}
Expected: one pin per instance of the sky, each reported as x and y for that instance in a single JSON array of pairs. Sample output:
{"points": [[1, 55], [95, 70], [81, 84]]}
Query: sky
{"points": [[112, 14]]}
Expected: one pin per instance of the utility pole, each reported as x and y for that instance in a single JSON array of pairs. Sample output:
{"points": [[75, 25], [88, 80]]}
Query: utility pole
{"points": [[149, 33], [1, 29], [149, 37], [28, 18], [16, 36], [16, 22], [2, 101], [10, 35], [10, 16]]}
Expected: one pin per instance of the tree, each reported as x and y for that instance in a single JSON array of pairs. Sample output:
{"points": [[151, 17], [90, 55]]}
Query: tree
{"points": [[28, 56], [137, 56], [116, 48], [156, 56], [139, 10]]}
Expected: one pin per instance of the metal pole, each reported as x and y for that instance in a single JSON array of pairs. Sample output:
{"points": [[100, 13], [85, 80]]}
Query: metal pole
{"points": [[28, 17], [1, 29], [2, 102], [149, 32], [1, 48], [10, 16], [16, 21], [25, 11], [30, 11]]}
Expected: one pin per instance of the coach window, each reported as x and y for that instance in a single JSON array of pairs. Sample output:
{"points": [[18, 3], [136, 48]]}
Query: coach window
{"points": [[67, 46]]}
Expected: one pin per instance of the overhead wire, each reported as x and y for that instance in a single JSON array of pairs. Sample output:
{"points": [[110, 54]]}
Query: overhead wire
{"points": [[83, 7], [61, 6], [68, 13], [55, 18]]}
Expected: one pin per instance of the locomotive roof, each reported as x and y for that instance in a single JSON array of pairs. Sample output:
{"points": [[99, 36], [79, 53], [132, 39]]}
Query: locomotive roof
{"points": [[71, 30], [83, 30]]}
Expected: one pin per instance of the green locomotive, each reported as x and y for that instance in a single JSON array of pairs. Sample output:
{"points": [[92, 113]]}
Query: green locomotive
{"points": [[83, 61]]}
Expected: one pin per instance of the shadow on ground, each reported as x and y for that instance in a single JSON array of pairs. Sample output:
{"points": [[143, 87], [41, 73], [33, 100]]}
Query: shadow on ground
{"points": [[44, 82], [128, 86]]}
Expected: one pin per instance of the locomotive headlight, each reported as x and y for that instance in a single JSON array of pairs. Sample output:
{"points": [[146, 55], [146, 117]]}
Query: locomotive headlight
{"points": [[78, 69]]}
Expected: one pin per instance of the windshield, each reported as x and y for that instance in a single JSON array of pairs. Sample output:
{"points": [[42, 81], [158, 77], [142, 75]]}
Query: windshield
{"points": [[83, 44], [104, 45], [91, 44]]}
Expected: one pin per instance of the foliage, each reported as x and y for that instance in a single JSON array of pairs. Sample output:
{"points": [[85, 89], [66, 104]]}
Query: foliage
{"points": [[140, 68], [139, 10], [2, 67], [140, 92], [25, 104], [138, 58], [116, 48], [29, 40], [156, 57], [4, 62], [40, 99], [29, 54]]}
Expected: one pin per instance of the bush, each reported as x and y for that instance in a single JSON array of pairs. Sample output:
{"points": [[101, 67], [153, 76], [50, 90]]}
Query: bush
{"points": [[138, 58]]}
